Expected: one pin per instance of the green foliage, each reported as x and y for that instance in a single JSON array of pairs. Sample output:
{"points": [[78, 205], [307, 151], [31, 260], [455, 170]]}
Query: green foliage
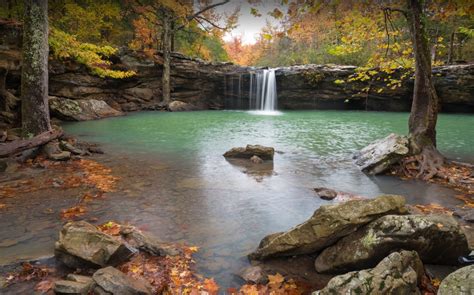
{"points": [[64, 45]]}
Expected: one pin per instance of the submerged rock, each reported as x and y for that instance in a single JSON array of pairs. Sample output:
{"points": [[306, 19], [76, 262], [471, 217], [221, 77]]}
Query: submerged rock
{"points": [[398, 273], [81, 109], [114, 281], [438, 239], [254, 275], [459, 282], [81, 244], [327, 225], [179, 106], [256, 160], [263, 152], [378, 156], [325, 193]]}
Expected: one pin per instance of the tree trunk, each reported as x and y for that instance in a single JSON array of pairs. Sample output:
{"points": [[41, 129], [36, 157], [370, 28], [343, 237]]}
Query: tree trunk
{"points": [[3, 90], [451, 48], [34, 74], [424, 110], [166, 47]]}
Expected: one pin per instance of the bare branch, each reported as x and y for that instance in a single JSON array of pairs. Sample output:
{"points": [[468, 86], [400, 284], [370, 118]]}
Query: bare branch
{"points": [[193, 16], [209, 22]]}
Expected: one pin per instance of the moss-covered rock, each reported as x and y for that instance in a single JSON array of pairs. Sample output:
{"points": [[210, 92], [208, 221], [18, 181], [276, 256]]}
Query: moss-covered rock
{"points": [[459, 282], [327, 225], [399, 273], [438, 239]]}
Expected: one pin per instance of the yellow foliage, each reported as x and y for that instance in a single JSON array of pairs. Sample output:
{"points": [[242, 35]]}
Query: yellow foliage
{"points": [[64, 46]]}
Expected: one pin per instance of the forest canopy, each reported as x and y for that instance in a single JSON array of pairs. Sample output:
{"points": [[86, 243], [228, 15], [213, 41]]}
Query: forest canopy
{"points": [[349, 32]]}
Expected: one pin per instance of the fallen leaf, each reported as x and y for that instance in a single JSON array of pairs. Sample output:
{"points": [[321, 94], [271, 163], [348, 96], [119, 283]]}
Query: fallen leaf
{"points": [[44, 286], [211, 286], [3, 206], [275, 281]]}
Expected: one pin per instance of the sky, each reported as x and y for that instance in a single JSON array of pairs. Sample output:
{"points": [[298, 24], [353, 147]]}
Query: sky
{"points": [[249, 26]]}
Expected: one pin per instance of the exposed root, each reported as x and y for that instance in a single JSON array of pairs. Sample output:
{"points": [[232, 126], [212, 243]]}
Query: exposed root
{"points": [[430, 165], [425, 165]]}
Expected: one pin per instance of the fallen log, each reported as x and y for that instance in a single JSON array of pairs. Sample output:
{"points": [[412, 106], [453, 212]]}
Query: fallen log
{"points": [[14, 147]]}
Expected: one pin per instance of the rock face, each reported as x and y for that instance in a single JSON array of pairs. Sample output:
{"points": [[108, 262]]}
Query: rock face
{"points": [[438, 239], [378, 156], [398, 273], [81, 110], [113, 281], [82, 244], [327, 225], [179, 106], [263, 152], [459, 282]]}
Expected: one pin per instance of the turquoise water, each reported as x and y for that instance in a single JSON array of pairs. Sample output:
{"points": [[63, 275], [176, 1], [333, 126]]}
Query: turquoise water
{"points": [[176, 184], [320, 134]]}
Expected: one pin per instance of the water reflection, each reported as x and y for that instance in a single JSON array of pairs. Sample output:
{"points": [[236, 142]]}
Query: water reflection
{"points": [[176, 184]]}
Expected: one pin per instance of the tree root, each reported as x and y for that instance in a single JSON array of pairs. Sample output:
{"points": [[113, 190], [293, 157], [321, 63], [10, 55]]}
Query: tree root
{"points": [[425, 165]]}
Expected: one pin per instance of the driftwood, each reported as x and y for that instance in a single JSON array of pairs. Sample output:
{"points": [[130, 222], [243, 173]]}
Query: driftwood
{"points": [[11, 148]]}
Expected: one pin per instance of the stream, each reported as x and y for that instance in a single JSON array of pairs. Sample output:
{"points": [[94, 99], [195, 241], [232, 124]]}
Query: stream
{"points": [[175, 183]]}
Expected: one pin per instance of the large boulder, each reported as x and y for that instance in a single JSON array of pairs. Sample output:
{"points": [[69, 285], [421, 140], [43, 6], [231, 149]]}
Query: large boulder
{"points": [[459, 282], [263, 152], [438, 239], [378, 156], [81, 110], [81, 244], [179, 106], [114, 281], [327, 225], [398, 273]]}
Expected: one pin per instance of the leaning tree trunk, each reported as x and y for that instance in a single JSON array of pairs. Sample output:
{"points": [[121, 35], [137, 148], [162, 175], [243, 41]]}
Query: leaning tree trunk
{"points": [[34, 74], [165, 80], [424, 110]]}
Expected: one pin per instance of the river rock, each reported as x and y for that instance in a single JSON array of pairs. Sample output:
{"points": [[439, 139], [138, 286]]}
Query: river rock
{"points": [[53, 152], [254, 275], [328, 224], [256, 160], [114, 281], [325, 193], [82, 286], [398, 273], [66, 146], [263, 152], [438, 239], [378, 156], [147, 243], [81, 110], [459, 282], [81, 244], [179, 106]]}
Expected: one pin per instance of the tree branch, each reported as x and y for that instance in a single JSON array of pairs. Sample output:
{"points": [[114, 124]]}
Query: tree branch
{"points": [[209, 22], [193, 16]]}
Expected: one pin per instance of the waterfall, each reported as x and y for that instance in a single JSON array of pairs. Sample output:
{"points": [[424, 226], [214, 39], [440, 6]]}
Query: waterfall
{"points": [[263, 91]]}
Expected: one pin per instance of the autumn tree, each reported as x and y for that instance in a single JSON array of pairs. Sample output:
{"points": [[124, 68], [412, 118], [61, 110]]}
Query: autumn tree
{"points": [[171, 17], [34, 74]]}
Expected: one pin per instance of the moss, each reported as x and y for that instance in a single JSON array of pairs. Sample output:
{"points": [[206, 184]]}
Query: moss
{"points": [[369, 239]]}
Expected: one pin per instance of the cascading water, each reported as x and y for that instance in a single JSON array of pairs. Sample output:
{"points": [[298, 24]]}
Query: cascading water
{"points": [[263, 92]]}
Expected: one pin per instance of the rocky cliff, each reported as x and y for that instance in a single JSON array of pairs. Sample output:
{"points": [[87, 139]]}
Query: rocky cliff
{"points": [[78, 95]]}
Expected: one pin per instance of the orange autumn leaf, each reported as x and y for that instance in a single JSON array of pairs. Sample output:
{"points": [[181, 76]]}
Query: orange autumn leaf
{"points": [[275, 281], [3, 206], [211, 286], [73, 212], [44, 286]]}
